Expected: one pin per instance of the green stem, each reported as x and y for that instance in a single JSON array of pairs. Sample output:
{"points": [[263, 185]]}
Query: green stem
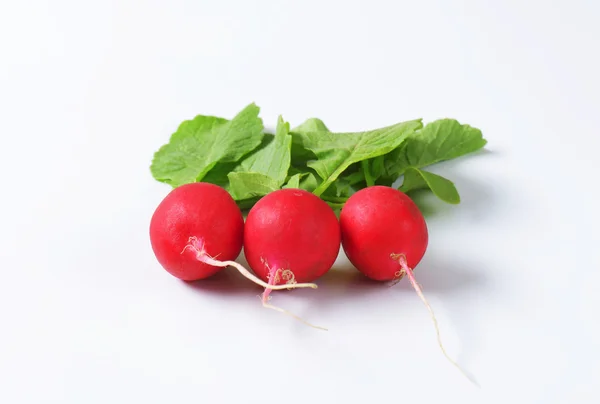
{"points": [[322, 188], [334, 199], [334, 205], [368, 178]]}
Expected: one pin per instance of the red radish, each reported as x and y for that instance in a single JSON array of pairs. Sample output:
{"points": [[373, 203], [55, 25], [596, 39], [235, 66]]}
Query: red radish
{"points": [[290, 235], [384, 235], [192, 226], [378, 221]]}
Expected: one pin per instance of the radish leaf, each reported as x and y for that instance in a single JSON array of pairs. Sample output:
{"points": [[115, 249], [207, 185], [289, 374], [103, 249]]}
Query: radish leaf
{"points": [[247, 185], [273, 159], [294, 181], [301, 155], [311, 125], [199, 144], [440, 140], [415, 179], [266, 169], [335, 152]]}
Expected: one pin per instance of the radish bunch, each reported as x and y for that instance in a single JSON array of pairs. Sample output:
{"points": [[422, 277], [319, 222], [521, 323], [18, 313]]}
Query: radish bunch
{"points": [[291, 183], [291, 237]]}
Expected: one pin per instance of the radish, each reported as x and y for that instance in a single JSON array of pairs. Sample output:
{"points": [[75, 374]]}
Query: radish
{"points": [[378, 222], [291, 235], [194, 225], [384, 235]]}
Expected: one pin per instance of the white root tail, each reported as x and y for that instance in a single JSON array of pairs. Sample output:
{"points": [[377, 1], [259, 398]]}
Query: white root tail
{"points": [[406, 270], [197, 246], [289, 313]]}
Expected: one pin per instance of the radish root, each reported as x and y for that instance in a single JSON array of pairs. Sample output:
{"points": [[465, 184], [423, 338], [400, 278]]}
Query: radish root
{"points": [[406, 270], [197, 246], [290, 281], [289, 313]]}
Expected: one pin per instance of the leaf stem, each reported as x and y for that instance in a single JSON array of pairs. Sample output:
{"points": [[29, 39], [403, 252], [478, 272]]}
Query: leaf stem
{"points": [[323, 187], [368, 177]]}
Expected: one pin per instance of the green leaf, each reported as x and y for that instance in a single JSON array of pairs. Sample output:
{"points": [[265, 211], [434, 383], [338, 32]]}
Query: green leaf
{"points": [[300, 155], [218, 174], [378, 171], [248, 185], [335, 152], [440, 140], [310, 182], [272, 160], [355, 177], [340, 188], [199, 144], [311, 125], [294, 181], [415, 179], [266, 169]]}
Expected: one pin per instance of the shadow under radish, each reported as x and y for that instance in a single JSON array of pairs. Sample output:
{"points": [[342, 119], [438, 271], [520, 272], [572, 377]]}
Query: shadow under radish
{"points": [[343, 285], [228, 282], [344, 282]]}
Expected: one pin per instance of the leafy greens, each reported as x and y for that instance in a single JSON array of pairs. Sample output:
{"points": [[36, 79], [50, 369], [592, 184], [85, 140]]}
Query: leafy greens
{"points": [[238, 155]]}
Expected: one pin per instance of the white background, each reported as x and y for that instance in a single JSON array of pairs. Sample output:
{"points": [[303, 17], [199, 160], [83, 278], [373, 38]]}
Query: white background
{"points": [[89, 90]]}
